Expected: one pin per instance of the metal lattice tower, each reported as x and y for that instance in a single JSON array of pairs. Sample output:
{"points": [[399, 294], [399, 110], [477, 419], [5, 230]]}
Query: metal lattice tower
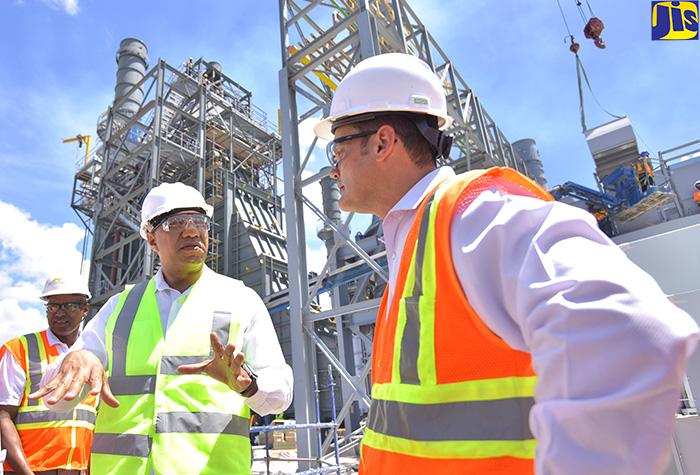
{"points": [[195, 125], [321, 41]]}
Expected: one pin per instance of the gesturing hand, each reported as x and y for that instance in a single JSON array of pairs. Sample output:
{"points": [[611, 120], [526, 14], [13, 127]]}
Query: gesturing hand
{"points": [[77, 368], [224, 367]]}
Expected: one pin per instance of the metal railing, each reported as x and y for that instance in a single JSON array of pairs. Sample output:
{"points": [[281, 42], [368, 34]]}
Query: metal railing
{"points": [[333, 425]]}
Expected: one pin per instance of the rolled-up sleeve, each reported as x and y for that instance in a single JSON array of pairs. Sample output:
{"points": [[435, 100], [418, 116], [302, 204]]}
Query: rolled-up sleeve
{"points": [[608, 347]]}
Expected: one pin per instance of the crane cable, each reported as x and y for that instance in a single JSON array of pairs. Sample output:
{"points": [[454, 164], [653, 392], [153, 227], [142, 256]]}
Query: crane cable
{"points": [[580, 69], [565, 23]]}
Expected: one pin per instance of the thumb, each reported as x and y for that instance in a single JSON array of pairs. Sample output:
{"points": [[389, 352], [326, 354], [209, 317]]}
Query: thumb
{"points": [[107, 395], [193, 368]]}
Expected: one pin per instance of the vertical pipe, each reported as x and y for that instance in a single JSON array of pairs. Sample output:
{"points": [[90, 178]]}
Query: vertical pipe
{"points": [[317, 396], [331, 385]]}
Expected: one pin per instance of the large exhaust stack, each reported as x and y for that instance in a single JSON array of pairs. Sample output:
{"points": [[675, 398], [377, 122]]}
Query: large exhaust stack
{"points": [[132, 59]]}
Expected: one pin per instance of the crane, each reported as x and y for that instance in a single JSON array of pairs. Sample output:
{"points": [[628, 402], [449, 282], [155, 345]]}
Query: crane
{"points": [[82, 139]]}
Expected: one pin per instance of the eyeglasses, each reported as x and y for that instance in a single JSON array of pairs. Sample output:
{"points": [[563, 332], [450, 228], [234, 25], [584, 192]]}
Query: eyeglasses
{"points": [[180, 222], [68, 307], [335, 152]]}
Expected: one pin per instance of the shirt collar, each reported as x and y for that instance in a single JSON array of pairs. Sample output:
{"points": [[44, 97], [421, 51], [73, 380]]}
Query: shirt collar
{"points": [[162, 285], [53, 339], [415, 195]]}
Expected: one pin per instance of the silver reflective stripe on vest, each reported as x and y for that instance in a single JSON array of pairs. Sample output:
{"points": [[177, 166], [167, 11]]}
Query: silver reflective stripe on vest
{"points": [[119, 382], [132, 385], [131, 445], [410, 341], [499, 419], [34, 369], [221, 325], [122, 328], [169, 364], [49, 416], [201, 423]]}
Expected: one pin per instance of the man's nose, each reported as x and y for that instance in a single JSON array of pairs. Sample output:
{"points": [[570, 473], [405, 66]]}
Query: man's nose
{"points": [[190, 228]]}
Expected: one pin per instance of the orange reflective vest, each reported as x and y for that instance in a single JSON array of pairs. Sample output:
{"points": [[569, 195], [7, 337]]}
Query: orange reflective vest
{"points": [[643, 167], [50, 440], [696, 196], [448, 396]]}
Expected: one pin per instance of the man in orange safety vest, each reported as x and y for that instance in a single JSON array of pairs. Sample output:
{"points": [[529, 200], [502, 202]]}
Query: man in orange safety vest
{"points": [[37, 440], [504, 308]]}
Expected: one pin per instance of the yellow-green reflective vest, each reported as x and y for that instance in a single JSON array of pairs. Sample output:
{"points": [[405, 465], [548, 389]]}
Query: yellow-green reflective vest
{"points": [[168, 422]]}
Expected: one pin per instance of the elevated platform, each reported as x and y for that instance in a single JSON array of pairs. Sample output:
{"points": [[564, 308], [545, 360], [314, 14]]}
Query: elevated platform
{"points": [[656, 198]]}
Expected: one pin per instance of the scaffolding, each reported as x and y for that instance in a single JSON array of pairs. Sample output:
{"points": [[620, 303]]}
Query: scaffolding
{"points": [[321, 42]]}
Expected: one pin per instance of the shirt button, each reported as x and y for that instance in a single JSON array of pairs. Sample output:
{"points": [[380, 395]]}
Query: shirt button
{"points": [[393, 255]]}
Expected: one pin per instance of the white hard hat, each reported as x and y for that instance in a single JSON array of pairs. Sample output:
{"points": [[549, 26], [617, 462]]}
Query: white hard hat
{"points": [[169, 197], [391, 82], [61, 284]]}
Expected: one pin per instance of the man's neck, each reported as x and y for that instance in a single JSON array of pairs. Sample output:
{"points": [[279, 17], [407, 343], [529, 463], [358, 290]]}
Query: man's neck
{"points": [[68, 339], [402, 185], [183, 279]]}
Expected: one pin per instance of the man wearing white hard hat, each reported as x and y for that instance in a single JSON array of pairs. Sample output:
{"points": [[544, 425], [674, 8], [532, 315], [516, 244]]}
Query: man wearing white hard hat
{"points": [[37, 440], [187, 355], [514, 337]]}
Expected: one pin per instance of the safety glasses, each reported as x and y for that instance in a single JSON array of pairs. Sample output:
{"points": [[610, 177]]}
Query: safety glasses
{"points": [[335, 151], [180, 222], [68, 307]]}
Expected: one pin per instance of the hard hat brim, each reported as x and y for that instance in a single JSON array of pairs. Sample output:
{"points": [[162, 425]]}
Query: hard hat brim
{"points": [[324, 129], [45, 296]]}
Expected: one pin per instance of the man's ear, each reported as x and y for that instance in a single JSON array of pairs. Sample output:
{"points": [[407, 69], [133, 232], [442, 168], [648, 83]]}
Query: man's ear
{"points": [[151, 238], [386, 141]]}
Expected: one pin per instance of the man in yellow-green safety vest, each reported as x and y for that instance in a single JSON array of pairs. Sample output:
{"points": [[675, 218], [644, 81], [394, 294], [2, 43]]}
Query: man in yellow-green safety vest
{"points": [[179, 360]]}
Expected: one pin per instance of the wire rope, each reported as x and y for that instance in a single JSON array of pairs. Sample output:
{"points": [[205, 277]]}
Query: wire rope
{"points": [[590, 9], [564, 18], [580, 11]]}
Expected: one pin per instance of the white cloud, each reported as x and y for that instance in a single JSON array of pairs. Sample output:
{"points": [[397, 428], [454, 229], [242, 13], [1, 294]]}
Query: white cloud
{"points": [[70, 6], [29, 252], [17, 321]]}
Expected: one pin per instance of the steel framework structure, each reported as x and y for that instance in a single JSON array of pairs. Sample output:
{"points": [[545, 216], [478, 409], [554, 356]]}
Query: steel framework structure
{"points": [[197, 126], [321, 41]]}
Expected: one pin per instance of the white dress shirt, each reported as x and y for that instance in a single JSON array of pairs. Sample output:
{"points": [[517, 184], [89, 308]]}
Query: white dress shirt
{"points": [[260, 344], [13, 379], [608, 347]]}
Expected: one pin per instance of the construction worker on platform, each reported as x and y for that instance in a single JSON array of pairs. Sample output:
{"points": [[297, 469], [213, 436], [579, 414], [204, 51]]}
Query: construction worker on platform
{"points": [[188, 354], [696, 196], [514, 337], [645, 172], [37, 440]]}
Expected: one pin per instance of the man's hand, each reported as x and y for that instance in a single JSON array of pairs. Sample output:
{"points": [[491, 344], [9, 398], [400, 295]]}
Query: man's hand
{"points": [[78, 368], [224, 367]]}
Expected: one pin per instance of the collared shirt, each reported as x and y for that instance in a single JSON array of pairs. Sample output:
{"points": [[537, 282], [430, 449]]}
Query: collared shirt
{"points": [[275, 380], [608, 347], [13, 379]]}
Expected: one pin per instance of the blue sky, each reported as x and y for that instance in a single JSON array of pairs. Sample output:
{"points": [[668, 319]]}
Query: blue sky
{"points": [[59, 72]]}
